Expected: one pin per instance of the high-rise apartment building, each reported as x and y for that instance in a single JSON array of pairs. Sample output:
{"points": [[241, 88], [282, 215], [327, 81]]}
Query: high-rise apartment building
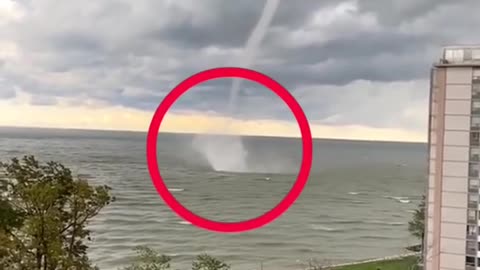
{"points": [[452, 239]]}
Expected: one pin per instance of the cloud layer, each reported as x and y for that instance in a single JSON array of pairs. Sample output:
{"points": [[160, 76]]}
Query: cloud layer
{"points": [[362, 64]]}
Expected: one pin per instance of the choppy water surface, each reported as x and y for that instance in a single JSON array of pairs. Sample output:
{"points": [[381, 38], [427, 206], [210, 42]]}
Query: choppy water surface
{"points": [[356, 204]]}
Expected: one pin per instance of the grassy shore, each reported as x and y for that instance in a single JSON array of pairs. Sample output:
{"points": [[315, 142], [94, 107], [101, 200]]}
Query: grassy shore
{"points": [[406, 263]]}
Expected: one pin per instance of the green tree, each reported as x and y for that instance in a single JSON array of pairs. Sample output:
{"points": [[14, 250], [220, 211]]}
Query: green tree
{"points": [[44, 212], [416, 226], [207, 262], [149, 259]]}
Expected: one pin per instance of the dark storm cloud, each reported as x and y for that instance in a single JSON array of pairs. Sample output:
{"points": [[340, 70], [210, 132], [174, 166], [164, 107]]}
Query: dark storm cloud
{"points": [[392, 12], [362, 45], [231, 22], [131, 53], [141, 99], [344, 70]]}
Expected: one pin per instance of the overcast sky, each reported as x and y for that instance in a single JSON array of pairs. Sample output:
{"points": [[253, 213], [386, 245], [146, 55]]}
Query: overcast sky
{"points": [[359, 68]]}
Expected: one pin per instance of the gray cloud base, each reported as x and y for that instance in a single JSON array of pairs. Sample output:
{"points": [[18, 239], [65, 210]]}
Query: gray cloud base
{"points": [[131, 53]]}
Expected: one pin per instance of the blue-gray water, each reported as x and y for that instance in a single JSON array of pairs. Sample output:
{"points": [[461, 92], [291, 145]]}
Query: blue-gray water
{"points": [[356, 204]]}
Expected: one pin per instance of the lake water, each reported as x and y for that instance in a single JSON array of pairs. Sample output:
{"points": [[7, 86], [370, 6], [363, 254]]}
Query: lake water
{"points": [[356, 204]]}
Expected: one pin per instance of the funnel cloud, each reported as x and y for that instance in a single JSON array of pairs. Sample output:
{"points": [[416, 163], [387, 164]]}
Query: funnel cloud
{"points": [[228, 153]]}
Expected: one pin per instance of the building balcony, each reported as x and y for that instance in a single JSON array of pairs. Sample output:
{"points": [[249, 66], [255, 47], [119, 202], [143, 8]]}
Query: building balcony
{"points": [[473, 205], [472, 220], [476, 111]]}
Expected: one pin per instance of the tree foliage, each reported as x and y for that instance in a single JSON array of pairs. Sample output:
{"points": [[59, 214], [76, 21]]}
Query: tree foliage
{"points": [[416, 226], [149, 259], [44, 212], [316, 265], [207, 262]]}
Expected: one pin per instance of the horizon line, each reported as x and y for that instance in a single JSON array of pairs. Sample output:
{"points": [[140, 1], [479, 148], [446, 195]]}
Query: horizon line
{"points": [[215, 134]]}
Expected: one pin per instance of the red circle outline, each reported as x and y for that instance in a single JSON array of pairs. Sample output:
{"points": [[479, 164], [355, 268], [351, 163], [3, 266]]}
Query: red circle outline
{"points": [[279, 209]]}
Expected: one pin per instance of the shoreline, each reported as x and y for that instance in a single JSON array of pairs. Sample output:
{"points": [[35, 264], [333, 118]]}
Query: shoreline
{"points": [[383, 259]]}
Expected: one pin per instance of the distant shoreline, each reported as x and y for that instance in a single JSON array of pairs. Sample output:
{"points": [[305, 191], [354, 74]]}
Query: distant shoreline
{"points": [[4, 129]]}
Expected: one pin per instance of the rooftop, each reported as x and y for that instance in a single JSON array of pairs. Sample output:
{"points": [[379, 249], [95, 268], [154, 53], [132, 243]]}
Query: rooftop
{"points": [[460, 56]]}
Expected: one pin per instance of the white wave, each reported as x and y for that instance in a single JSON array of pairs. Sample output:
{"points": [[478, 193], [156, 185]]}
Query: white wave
{"points": [[379, 222], [184, 222], [396, 223], [354, 193], [358, 202], [176, 189], [399, 199], [323, 228]]}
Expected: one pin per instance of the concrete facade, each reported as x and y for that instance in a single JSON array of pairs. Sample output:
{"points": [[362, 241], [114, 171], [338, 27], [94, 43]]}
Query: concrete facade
{"points": [[452, 213]]}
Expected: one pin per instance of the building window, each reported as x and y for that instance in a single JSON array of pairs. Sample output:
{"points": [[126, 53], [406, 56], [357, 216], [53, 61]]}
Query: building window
{"points": [[475, 153], [476, 88], [454, 54], [473, 201], [475, 138], [472, 215], [472, 231], [474, 169], [472, 247], [473, 185], [476, 107], [475, 123], [470, 261]]}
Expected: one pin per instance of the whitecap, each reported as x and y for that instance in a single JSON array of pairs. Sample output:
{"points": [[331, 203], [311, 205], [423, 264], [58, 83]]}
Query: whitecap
{"points": [[399, 199], [184, 222], [380, 222], [323, 228], [396, 223], [358, 202], [176, 189]]}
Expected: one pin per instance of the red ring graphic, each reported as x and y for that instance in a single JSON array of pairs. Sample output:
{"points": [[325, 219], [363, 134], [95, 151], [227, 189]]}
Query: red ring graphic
{"points": [[288, 200]]}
